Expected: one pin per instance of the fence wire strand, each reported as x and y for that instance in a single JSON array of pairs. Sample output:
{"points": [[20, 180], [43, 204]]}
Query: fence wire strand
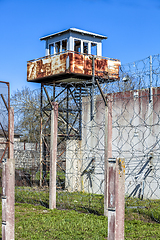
{"points": [[81, 142]]}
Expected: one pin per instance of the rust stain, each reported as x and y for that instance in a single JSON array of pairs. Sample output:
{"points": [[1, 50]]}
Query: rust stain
{"points": [[111, 226], [111, 187], [71, 60], [78, 63], [88, 66]]}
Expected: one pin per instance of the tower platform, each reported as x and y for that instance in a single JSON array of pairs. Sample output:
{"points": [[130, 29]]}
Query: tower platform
{"points": [[71, 66]]}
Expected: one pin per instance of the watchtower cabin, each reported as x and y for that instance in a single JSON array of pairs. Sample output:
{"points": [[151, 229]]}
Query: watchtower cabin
{"points": [[68, 58]]}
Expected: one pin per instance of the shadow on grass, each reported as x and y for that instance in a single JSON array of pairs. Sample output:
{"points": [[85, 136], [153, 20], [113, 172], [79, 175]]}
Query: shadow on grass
{"points": [[44, 204], [35, 202], [89, 210]]}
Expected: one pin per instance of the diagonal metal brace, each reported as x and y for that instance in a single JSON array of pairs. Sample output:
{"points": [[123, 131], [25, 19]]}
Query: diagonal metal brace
{"points": [[4, 102], [49, 100], [102, 94]]}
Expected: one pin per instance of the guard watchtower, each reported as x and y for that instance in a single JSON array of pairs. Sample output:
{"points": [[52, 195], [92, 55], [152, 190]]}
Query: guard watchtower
{"points": [[73, 65], [73, 59], [69, 58]]}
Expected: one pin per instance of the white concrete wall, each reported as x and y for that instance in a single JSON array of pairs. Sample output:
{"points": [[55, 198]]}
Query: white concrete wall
{"points": [[135, 137], [73, 165], [93, 147]]}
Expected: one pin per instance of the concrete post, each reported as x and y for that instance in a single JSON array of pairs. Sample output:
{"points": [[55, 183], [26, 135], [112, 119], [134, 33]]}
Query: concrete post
{"points": [[108, 150], [120, 198], [53, 156], [116, 198], [111, 198], [10, 194], [10, 177], [4, 199], [8, 186]]}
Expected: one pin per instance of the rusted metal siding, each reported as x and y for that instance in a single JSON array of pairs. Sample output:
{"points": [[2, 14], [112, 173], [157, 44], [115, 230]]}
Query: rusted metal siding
{"points": [[71, 63], [47, 66]]}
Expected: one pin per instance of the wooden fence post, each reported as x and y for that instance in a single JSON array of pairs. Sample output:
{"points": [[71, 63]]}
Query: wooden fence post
{"points": [[53, 156]]}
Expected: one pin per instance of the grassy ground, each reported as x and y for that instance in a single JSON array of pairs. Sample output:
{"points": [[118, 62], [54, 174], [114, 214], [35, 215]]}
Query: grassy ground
{"points": [[34, 221], [41, 223], [37, 222]]}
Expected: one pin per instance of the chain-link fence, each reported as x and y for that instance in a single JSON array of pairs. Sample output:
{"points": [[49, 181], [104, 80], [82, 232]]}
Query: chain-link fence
{"points": [[81, 141], [4, 126]]}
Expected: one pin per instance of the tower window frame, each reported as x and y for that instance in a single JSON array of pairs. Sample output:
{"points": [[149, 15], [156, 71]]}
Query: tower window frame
{"points": [[77, 45], [58, 46], [94, 48]]}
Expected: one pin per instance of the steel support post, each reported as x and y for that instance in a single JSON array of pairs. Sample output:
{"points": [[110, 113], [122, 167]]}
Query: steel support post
{"points": [[44, 165], [92, 88], [41, 145], [53, 156], [108, 150], [80, 113], [150, 88], [67, 113], [54, 91]]}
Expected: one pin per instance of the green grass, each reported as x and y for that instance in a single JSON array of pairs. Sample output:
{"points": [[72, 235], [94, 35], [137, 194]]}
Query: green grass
{"points": [[145, 209], [82, 202], [60, 175], [35, 221], [137, 229]]}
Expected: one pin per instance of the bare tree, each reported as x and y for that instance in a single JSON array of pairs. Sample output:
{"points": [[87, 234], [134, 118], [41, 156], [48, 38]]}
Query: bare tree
{"points": [[26, 105]]}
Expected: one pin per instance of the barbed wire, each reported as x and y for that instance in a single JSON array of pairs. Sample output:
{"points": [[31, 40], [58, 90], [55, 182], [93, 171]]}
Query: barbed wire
{"points": [[81, 142]]}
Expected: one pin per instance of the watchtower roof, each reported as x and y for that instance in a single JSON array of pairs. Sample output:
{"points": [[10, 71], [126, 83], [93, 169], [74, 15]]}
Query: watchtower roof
{"points": [[83, 32]]}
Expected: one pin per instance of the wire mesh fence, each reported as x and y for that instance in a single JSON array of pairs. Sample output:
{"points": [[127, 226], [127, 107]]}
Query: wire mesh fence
{"points": [[4, 127], [134, 101]]}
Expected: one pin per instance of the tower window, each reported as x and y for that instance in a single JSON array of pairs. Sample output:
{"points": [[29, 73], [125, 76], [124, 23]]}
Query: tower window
{"points": [[77, 46], [85, 47], [93, 48], [64, 45], [57, 47], [51, 49]]}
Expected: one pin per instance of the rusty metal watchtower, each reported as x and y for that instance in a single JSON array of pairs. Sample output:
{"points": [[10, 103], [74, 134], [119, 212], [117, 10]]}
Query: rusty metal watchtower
{"points": [[73, 65]]}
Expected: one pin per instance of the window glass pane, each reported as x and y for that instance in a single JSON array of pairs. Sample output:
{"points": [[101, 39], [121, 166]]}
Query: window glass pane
{"points": [[85, 47], [77, 45], [51, 49], [93, 48], [64, 45], [57, 47]]}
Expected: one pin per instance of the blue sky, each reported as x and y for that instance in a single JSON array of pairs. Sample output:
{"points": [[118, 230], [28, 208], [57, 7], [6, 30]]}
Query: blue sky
{"points": [[132, 28]]}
